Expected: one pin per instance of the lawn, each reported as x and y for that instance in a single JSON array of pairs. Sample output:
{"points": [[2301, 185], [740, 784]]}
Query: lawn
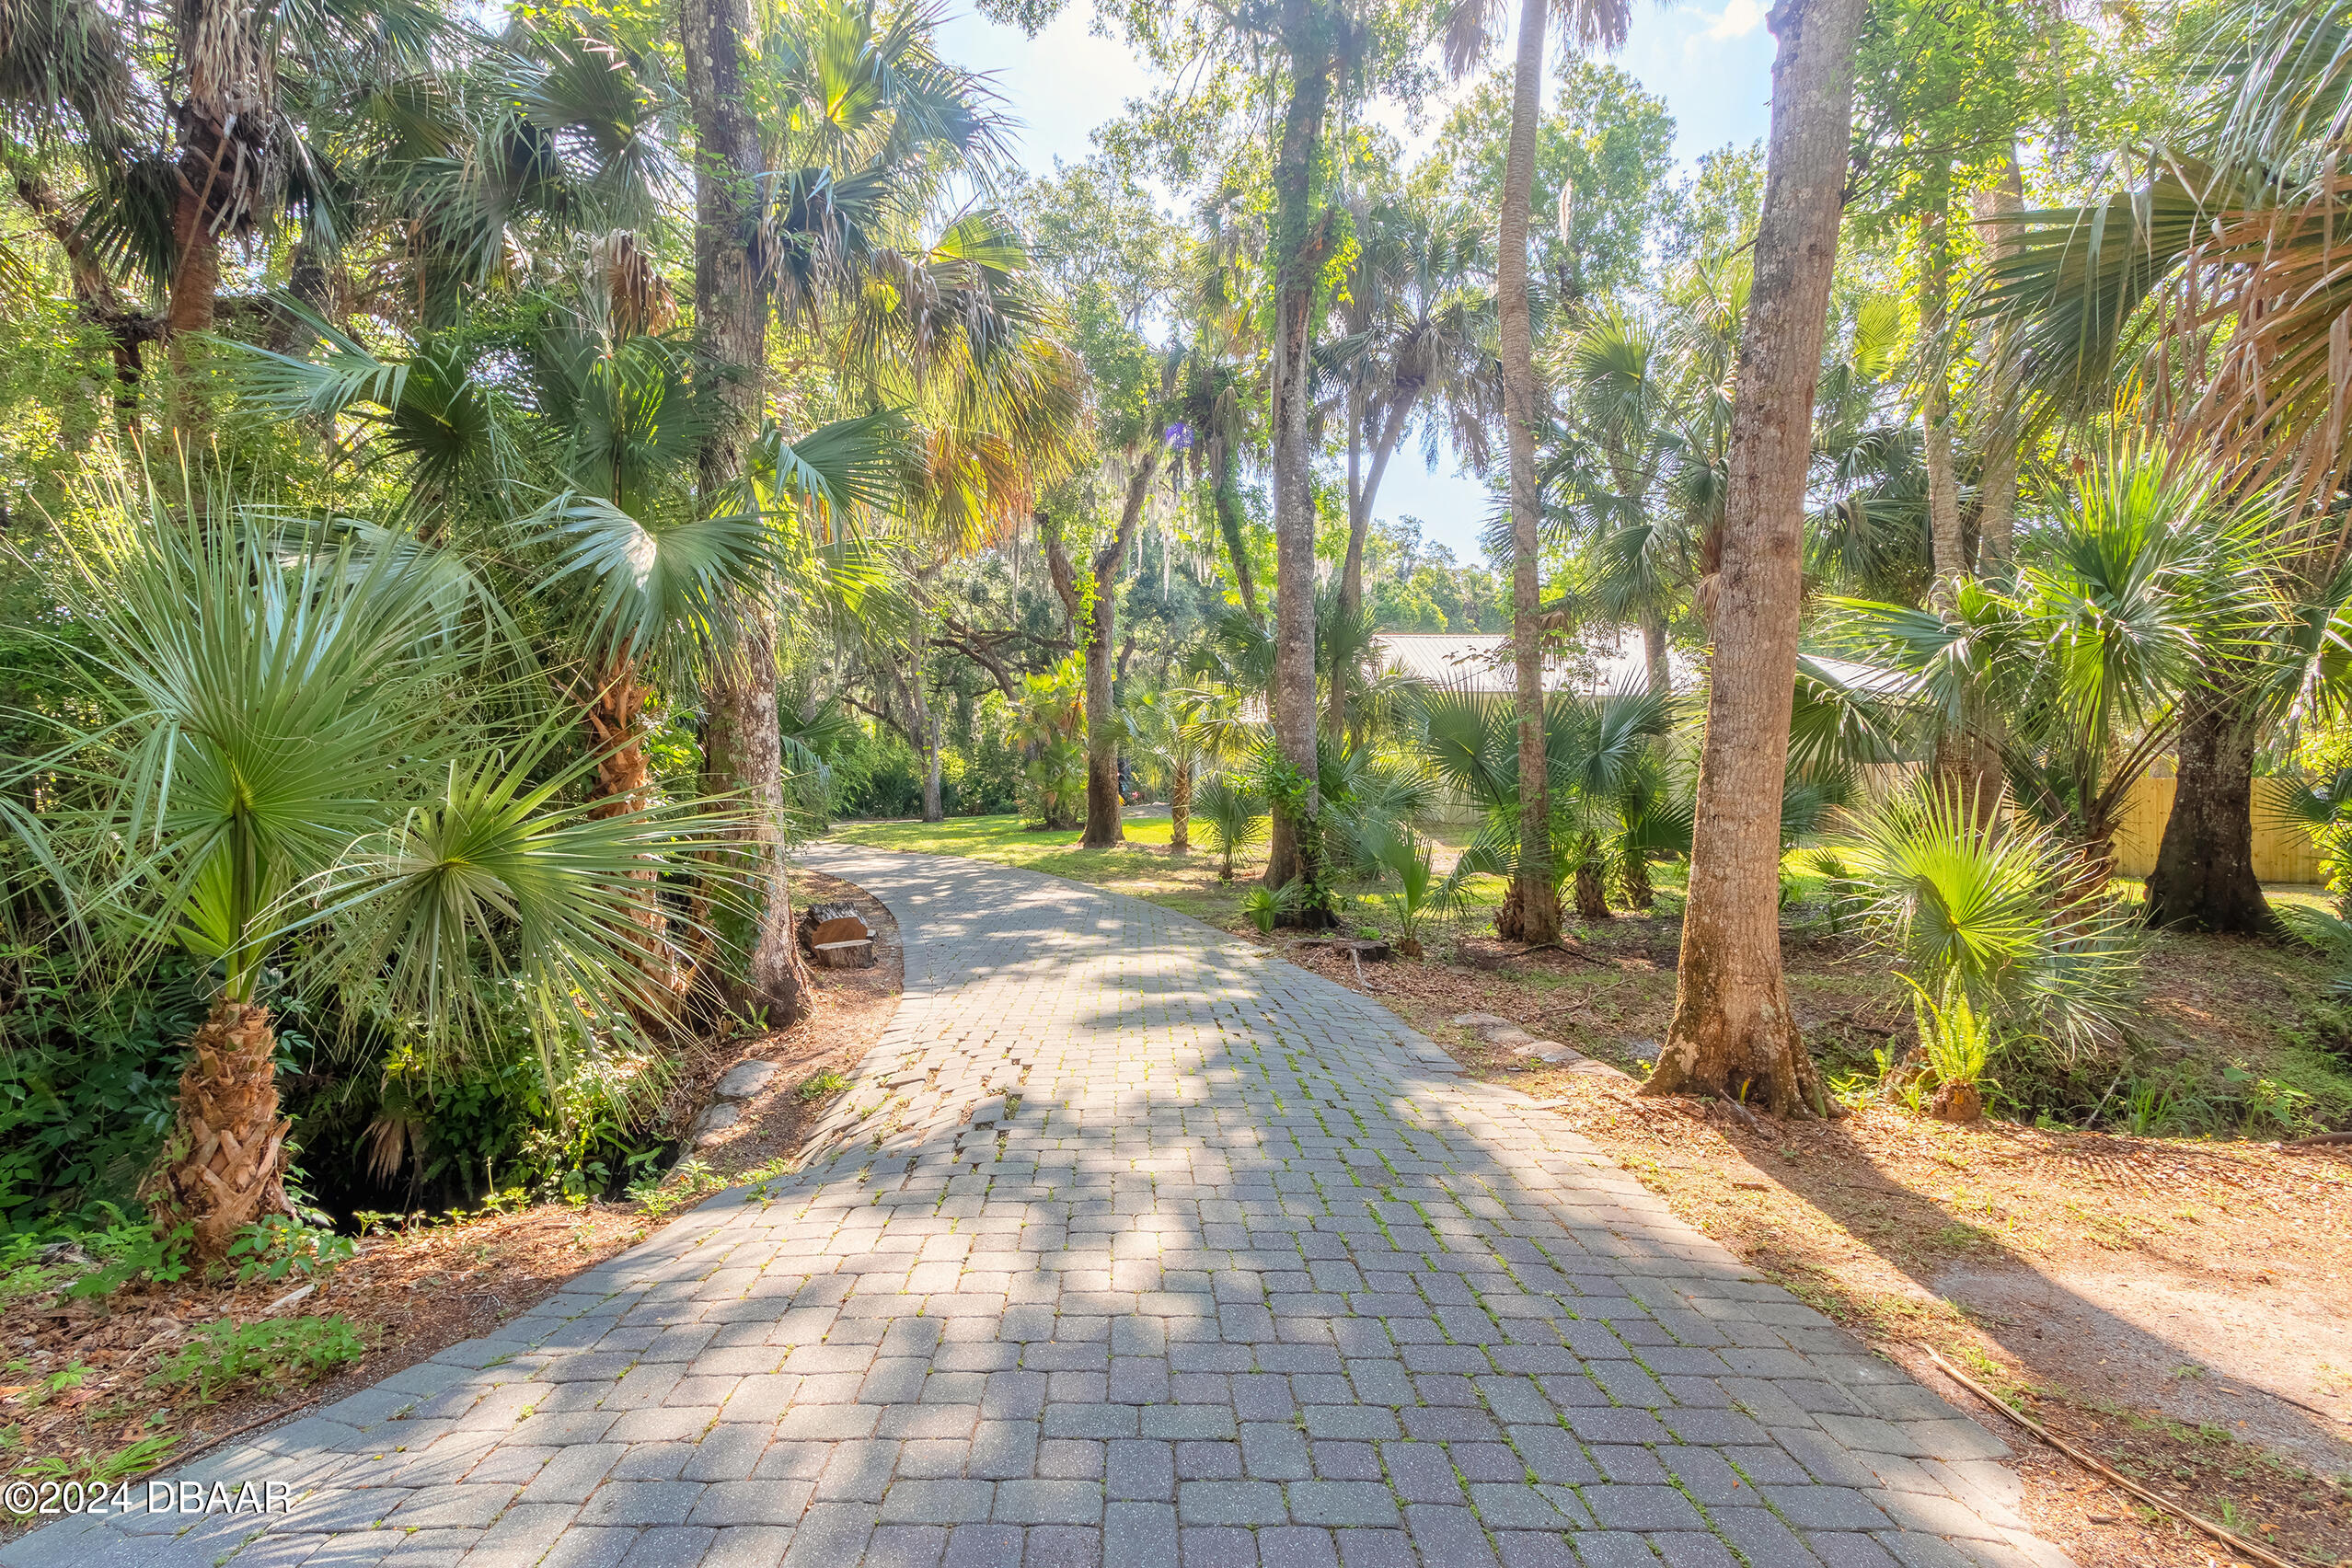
{"points": [[1143, 866]]}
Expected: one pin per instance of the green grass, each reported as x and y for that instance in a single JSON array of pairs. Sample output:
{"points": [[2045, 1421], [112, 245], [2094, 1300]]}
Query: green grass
{"points": [[1142, 867]]}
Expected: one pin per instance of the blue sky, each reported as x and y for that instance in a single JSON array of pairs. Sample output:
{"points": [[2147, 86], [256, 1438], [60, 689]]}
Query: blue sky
{"points": [[1710, 61]]}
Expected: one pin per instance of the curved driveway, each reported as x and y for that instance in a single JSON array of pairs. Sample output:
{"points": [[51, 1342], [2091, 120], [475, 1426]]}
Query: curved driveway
{"points": [[1132, 1245]]}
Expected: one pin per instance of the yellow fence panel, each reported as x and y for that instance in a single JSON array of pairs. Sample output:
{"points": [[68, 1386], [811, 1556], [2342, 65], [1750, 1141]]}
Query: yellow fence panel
{"points": [[2281, 854]]}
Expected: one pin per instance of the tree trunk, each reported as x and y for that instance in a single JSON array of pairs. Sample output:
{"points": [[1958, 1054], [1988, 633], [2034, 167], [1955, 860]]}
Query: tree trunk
{"points": [[1654, 658], [624, 780], [934, 796], [1997, 436], [741, 728], [1948, 542], [1302, 243], [1360, 496], [1226, 498], [1180, 809], [1592, 897], [743, 747], [2205, 876], [195, 286], [1733, 1033], [1538, 900], [1093, 624], [225, 1166], [226, 126], [1633, 882]]}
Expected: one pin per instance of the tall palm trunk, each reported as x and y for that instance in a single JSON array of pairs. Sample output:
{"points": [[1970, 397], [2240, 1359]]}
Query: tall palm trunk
{"points": [[1537, 900], [227, 132], [744, 746], [1996, 475], [1102, 804], [1966, 764], [1655, 662], [1363, 489], [1180, 809], [1733, 1033], [1947, 539], [225, 1166], [1302, 243]]}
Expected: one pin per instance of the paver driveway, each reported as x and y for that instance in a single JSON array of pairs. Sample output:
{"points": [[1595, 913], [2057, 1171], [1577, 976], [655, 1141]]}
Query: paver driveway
{"points": [[1238, 1270]]}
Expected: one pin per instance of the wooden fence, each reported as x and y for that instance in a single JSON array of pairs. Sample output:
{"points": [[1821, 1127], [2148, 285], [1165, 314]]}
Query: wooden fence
{"points": [[2281, 853]]}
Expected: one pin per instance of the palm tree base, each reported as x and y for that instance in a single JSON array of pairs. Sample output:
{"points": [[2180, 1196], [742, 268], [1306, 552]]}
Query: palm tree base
{"points": [[225, 1166]]}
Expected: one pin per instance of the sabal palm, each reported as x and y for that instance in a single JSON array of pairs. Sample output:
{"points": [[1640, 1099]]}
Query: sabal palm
{"points": [[648, 583], [286, 767], [1166, 734], [1602, 23], [2149, 571], [1602, 784], [2223, 275], [1234, 811]]}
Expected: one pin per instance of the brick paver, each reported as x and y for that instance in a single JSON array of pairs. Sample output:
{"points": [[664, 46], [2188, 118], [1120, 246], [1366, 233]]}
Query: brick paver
{"points": [[1132, 1245]]}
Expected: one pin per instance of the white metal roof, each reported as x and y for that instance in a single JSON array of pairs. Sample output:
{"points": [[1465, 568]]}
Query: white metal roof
{"points": [[1596, 661]]}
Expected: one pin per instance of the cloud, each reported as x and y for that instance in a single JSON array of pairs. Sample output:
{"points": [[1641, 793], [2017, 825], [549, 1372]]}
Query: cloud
{"points": [[1740, 17]]}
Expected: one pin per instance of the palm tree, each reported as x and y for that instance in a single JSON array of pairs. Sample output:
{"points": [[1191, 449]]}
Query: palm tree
{"points": [[281, 770], [1733, 1032], [1234, 811], [2149, 571], [1603, 788], [2221, 280], [1602, 23], [1167, 734], [1420, 341]]}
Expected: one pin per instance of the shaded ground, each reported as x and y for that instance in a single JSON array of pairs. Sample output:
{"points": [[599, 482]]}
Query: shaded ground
{"points": [[74, 1400], [2177, 1303], [1135, 1247]]}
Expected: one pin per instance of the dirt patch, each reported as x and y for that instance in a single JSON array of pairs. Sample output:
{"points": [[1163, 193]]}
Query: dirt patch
{"points": [[75, 1400], [2176, 1305]]}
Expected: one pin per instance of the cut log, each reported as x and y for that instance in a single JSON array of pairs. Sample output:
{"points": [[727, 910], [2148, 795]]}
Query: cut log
{"points": [[822, 923], [854, 954]]}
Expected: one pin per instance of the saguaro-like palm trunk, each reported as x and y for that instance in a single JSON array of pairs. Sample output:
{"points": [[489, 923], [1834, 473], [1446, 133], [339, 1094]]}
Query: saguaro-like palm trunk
{"points": [[615, 716], [1536, 900], [226, 1164], [742, 750], [1226, 498], [1302, 244], [1363, 489], [1733, 1032]]}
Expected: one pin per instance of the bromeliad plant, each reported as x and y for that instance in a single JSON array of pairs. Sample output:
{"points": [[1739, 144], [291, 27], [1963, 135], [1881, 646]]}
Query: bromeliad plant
{"points": [[280, 771]]}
